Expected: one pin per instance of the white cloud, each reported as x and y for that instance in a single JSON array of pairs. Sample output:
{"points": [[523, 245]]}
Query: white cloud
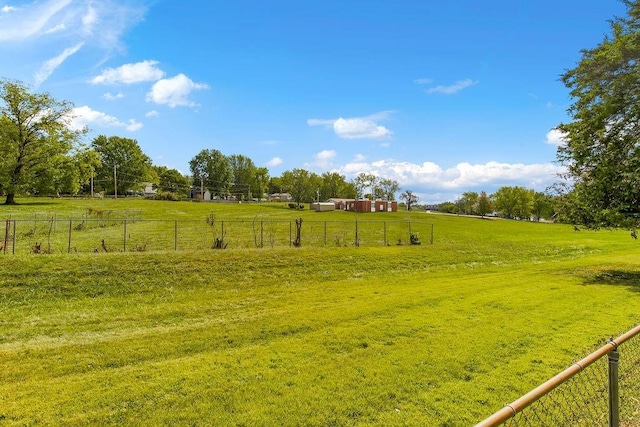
{"points": [[323, 159], [58, 28], [423, 81], [556, 137], [103, 21], [357, 127], [276, 161], [52, 25], [144, 71], [152, 113], [111, 97], [174, 91], [30, 20], [50, 65], [430, 177], [85, 117], [454, 88]]}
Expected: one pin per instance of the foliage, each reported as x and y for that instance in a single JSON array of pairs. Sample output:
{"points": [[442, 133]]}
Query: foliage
{"points": [[34, 137], [410, 198], [212, 169], [260, 182], [301, 184], [121, 159], [513, 202], [469, 201], [484, 205], [171, 180], [335, 185], [601, 150], [243, 174], [362, 182]]}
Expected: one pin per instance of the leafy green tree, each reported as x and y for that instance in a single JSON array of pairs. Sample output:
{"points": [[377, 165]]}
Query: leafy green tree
{"points": [[34, 134], [171, 180], [525, 200], [212, 168], [363, 182], [388, 188], [447, 207], [275, 185], [469, 201], [86, 162], [601, 150], [541, 206], [300, 184], [121, 159], [260, 181], [505, 201], [336, 185], [243, 171], [484, 204]]}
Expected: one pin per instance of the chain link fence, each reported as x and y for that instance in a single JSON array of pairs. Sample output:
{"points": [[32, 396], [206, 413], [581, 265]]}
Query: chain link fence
{"points": [[103, 231], [601, 389]]}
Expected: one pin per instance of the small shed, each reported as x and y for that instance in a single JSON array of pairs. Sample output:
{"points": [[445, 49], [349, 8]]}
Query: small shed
{"points": [[323, 206]]}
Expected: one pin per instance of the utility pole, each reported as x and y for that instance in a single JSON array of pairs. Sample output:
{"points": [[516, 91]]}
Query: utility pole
{"points": [[115, 180], [92, 183]]}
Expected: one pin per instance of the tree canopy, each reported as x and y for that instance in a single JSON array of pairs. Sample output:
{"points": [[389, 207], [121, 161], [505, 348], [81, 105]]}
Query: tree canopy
{"points": [[34, 136], [602, 150], [122, 160]]}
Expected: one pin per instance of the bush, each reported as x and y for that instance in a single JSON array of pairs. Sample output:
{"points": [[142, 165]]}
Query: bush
{"points": [[165, 195]]}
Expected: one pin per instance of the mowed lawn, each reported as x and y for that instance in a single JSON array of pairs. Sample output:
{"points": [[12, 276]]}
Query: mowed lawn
{"points": [[440, 334]]}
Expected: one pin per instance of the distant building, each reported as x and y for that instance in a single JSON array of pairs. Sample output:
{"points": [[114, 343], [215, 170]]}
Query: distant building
{"points": [[365, 205], [280, 197]]}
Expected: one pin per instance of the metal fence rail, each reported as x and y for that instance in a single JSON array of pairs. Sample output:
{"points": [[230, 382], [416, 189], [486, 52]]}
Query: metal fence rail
{"points": [[595, 391], [108, 233]]}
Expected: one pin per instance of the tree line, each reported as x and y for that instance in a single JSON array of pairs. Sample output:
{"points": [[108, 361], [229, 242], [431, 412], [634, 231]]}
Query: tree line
{"points": [[508, 202], [41, 154]]}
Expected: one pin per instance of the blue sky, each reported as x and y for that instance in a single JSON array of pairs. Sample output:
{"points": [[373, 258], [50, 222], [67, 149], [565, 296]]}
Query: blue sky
{"points": [[443, 96]]}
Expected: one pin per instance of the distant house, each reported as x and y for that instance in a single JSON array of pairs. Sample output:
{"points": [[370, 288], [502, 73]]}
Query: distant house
{"points": [[148, 189], [280, 197]]}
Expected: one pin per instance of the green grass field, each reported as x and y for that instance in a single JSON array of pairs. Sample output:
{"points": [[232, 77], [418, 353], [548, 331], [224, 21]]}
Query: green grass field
{"points": [[438, 335]]}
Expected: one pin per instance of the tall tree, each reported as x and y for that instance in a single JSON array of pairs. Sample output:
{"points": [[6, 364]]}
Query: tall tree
{"points": [[260, 182], [484, 204], [505, 201], [34, 132], [122, 160], [243, 172], [300, 184], [469, 201], [410, 198], [171, 180], [388, 188], [336, 185], [541, 206], [364, 182], [212, 168], [601, 150]]}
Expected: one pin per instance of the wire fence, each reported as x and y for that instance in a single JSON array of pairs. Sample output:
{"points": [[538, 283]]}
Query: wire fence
{"points": [[601, 389], [102, 231]]}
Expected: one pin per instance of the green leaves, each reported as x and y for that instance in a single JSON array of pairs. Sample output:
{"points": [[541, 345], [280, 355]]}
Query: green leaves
{"points": [[602, 153]]}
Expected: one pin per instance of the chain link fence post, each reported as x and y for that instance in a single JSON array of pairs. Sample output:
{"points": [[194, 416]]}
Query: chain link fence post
{"points": [[614, 398]]}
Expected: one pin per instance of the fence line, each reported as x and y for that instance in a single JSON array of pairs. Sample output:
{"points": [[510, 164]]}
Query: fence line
{"points": [[583, 396], [107, 233]]}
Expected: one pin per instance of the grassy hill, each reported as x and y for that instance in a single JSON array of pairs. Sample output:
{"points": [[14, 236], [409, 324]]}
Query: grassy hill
{"points": [[438, 334]]}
